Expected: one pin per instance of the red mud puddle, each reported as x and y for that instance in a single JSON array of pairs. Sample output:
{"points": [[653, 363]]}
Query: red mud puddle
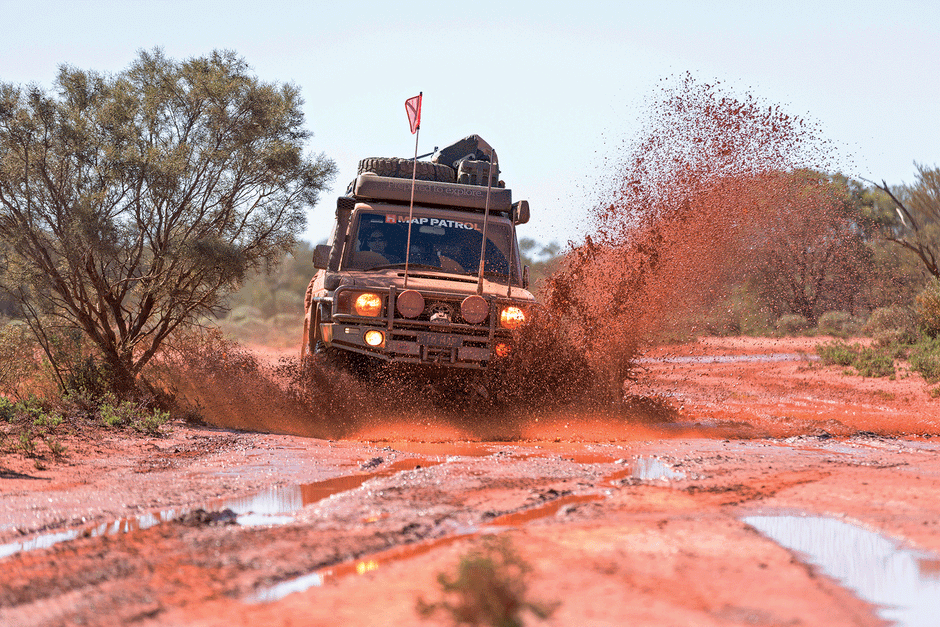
{"points": [[348, 569], [401, 553], [642, 468], [273, 506], [516, 519]]}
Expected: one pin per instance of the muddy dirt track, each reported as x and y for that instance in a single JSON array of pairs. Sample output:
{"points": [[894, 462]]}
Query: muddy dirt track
{"points": [[626, 521]]}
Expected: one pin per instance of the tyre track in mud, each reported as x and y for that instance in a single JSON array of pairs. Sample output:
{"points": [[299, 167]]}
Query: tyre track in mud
{"points": [[161, 574]]}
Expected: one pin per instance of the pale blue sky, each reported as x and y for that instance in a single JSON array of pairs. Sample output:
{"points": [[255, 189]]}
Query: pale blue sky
{"points": [[555, 87]]}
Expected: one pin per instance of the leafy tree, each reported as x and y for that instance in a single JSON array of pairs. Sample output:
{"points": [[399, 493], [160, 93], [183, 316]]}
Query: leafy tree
{"points": [[130, 204], [815, 257], [913, 220]]}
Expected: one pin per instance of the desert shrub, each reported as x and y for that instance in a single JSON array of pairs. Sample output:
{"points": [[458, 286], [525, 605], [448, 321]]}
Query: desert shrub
{"points": [[894, 318], [489, 588], [741, 313], [19, 363], [88, 377], [867, 361], [928, 309], [135, 415], [28, 423], [837, 353], [871, 362], [837, 323], [792, 324], [925, 359]]}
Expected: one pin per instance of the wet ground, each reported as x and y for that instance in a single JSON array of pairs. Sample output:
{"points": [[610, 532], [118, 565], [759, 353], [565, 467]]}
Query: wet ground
{"points": [[773, 491]]}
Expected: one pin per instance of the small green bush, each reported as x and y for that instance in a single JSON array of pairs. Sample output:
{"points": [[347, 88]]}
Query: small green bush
{"points": [[867, 362], [871, 362], [30, 421], [925, 359], [792, 324], [928, 309], [895, 320], [837, 353], [133, 415], [837, 324], [150, 423], [489, 588]]}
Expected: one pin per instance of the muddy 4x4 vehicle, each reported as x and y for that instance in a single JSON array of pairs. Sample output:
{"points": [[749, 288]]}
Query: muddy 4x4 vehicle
{"points": [[401, 281]]}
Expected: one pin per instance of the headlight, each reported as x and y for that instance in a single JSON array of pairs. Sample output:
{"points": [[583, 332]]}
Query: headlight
{"points": [[374, 338], [368, 304], [511, 317]]}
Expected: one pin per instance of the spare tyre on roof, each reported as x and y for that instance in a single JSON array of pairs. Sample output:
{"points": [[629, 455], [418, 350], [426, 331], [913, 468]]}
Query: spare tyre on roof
{"points": [[397, 167]]}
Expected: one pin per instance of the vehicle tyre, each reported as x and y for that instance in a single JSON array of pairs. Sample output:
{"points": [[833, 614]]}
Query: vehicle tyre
{"points": [[397, 167]]}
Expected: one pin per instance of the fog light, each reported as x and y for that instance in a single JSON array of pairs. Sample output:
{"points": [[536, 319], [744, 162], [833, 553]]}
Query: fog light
{"points": [[410, 303], [502, 349], [511, 317], [474, 309], [368, 304], [374, 338]]}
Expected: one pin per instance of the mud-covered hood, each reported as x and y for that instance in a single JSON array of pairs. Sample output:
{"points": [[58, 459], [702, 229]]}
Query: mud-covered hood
{"points": [[423, 279]]}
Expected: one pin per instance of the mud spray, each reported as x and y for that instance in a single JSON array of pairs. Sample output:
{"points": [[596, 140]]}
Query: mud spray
{"points": [[707, 187]]}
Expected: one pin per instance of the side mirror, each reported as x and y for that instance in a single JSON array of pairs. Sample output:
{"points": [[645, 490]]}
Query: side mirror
{"points": [[525, 277], [321, 256], [520, 212]]}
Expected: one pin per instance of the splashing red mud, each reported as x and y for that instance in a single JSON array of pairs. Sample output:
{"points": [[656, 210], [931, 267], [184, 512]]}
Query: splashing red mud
{"points": [[699, 197]]}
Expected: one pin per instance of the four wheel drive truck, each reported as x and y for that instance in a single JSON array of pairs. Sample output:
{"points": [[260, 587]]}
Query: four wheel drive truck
{"points": [[422, 267]]}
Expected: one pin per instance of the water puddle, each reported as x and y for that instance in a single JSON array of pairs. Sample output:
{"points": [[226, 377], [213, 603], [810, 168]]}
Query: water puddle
{"points": [[358, 567], [904, 582], [647, 469], [273, 506], [383, 558]]}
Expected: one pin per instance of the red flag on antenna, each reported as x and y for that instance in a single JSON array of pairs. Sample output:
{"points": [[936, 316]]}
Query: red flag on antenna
{"points": [[413, 109]]}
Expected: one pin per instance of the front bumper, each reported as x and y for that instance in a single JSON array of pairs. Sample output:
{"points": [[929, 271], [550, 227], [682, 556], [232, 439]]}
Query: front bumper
{"points": [[418, 340], [414, 346]]}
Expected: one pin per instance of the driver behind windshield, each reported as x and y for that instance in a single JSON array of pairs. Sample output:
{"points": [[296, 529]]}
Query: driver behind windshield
{"points": [[377, 242]]}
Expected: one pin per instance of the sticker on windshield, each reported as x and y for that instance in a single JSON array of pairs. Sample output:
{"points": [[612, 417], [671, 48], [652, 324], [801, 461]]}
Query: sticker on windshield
{"points": [[454, 224]]}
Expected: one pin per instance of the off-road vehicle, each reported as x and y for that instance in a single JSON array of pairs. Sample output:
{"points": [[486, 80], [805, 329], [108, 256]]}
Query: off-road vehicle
{"points": [[423, 273]]}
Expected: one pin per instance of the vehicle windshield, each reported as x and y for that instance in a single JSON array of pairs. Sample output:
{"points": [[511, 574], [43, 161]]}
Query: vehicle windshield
{"points": [[449, 245]]}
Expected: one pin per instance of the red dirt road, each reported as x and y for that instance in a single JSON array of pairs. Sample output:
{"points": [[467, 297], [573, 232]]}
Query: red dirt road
{"points": [[623, 521]]}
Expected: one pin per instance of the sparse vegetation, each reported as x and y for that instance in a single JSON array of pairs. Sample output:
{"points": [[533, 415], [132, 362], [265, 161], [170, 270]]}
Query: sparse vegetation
{"points": [[928, 309], [838, 324], [867, 361], [792, 324], [925, 359], [489, 588]]}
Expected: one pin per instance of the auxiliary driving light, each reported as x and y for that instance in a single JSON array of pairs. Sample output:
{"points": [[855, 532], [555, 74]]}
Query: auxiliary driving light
{"points": [[410, 303], [502, 349], [474, 309], [368, 304], [374, 338], [511, 317]]}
